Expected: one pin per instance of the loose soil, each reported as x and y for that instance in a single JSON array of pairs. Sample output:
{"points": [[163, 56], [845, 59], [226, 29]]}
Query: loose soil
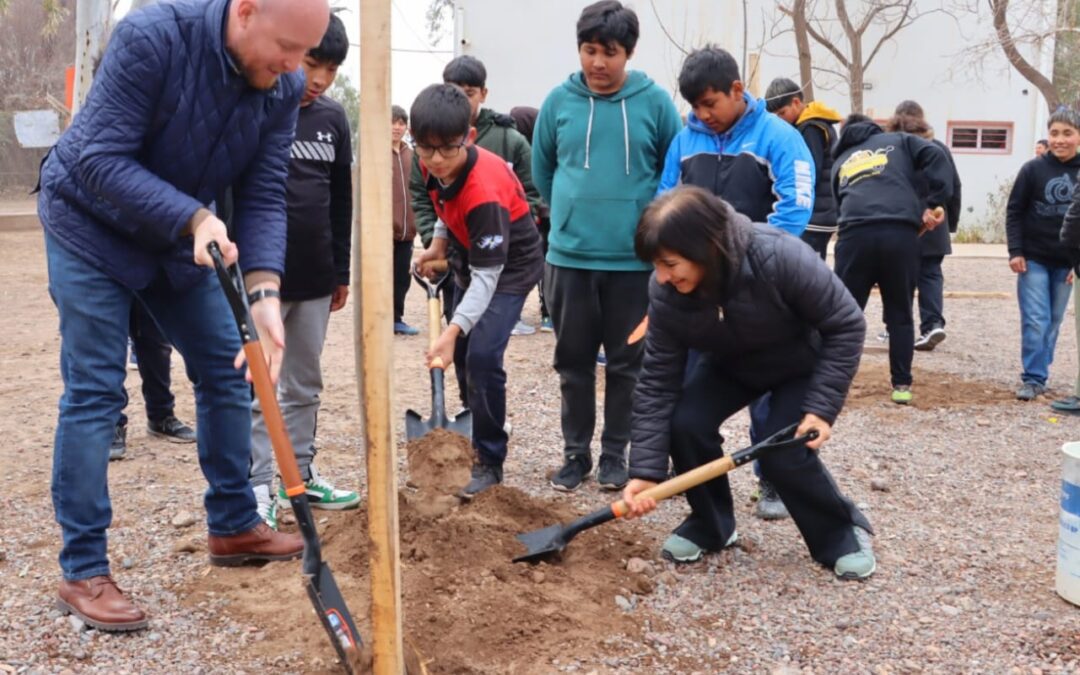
{"points": [[872, 386]]}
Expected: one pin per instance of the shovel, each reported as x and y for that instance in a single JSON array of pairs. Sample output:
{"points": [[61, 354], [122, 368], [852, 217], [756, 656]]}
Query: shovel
{"points": [[320, 584], [415, 425], [551, 540]]}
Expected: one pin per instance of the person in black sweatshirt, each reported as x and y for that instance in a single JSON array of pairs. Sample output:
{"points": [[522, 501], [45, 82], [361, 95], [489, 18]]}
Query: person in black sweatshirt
{"points": [[877, 179], [764, 315], [1070, 238], [934, 245], [1033, 219]]}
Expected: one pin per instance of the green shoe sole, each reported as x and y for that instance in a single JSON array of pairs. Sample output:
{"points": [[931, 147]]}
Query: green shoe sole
{"points": [[901, 397]]}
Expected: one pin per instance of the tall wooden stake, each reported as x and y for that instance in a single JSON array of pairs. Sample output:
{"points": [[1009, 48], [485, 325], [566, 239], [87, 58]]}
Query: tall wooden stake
{"points": [[374, 332]]}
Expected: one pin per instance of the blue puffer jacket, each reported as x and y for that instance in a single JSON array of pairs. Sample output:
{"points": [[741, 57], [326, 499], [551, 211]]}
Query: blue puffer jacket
{"points": [[168, 124]]}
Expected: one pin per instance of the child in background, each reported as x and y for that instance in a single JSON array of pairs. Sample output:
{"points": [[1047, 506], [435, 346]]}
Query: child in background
{"points": [[404, 218], [1037, 205], [484, 216]]}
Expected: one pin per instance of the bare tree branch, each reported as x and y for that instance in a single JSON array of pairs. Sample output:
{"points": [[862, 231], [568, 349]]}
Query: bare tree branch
{"points": [[1029, 72]]}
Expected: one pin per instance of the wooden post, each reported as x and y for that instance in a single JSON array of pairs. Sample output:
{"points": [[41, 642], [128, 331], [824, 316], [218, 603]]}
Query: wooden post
{"points": [[92, 19], [373, 289]]}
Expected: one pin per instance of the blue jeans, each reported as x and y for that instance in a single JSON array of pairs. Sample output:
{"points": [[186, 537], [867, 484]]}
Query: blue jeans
{"points": [[478, 359], [1043, 295], [94, 312]]}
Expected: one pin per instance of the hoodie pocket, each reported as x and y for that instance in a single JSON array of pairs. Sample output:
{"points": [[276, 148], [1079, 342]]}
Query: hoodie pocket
{"points": [[601, 228]]}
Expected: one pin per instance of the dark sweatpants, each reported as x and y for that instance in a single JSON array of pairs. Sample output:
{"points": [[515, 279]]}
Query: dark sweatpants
{"points": [[478, 360], [153, 353], [710, 396], [931, 294], [819, 241], [403, 251], [886, 255], [590, 308]]}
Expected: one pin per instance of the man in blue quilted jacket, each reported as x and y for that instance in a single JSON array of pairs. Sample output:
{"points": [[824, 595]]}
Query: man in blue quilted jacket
{"points": [[191, 97]]}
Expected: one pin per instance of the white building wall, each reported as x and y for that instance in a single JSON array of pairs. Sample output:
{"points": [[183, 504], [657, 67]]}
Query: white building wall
{"points": [[529, 47]]}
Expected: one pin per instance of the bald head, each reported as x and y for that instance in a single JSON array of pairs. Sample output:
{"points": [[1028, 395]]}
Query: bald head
{"points": [[270, 37]]}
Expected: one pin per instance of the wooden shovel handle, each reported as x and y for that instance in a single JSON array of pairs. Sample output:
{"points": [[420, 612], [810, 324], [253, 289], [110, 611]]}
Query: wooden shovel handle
{"points": [[680, 483], [275, 424]]}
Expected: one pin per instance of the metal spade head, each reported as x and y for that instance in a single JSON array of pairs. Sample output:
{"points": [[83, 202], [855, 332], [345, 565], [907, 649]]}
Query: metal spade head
{"points": [[543, 543]]}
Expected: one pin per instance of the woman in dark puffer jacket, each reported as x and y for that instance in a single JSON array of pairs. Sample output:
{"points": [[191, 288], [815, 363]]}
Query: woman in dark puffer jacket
{"points": [[763, 314]]}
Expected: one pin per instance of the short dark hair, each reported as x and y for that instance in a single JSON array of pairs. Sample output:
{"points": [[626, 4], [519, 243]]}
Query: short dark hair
{"points": [[1064, 116], [398, 114], [608, 22], [855, 118], [781, 93], [695, 224], [335, 43], [466, 71], [440, 113], [1043, 142], [909, 107], [705, 68], [525, 120]]}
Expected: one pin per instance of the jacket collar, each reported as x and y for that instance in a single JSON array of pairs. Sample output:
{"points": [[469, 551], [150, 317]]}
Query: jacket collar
{"points": [[217, 16], [450, 191]]}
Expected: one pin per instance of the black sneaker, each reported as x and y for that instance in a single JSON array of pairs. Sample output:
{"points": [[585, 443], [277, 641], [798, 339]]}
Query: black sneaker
{"points": [[611, 474], [171, 429], [118, 447], [484, 476], [769, 505], [930, 339], [573, 472]]}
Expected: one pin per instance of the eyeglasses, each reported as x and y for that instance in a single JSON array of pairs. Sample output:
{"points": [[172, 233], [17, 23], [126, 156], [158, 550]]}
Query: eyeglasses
{"points": [[445, 151]]}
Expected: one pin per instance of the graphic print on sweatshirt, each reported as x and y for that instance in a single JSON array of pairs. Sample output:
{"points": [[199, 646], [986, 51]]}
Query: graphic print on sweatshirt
{"points": [[320, 150], [1057, 196], [864, 164]]}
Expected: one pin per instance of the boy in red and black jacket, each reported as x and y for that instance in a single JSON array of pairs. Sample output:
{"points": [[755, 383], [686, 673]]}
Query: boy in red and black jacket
{"points": [[484, 215]]}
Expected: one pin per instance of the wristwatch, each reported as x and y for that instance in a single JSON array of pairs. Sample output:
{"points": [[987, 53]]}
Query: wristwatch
{"points": [[258, 295]]}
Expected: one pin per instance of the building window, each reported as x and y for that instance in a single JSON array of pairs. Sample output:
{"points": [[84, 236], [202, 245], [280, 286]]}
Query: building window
{"points": [[987, 138]]}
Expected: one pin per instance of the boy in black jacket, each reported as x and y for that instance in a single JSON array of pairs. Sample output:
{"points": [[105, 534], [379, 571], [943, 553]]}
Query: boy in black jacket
{"points": [[1033, 218], [1070, 238], [815, 121], [876, 180]]}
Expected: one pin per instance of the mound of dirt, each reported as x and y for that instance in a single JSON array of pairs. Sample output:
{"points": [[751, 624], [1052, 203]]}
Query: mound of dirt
{"points": [[932, 389], [467, 608], [439, 462]]}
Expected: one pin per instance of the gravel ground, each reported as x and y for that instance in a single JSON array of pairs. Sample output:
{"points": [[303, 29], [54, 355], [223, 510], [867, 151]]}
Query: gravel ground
{"points": [[963, 498]]}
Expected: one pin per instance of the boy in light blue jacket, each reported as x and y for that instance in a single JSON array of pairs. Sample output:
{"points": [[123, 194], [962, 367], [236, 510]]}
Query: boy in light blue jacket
{"points": [[598, 149]]}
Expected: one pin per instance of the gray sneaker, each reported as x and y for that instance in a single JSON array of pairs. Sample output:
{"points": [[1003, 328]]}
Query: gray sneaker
{"points": [[118, 447], [930, 339], [611, 473], [860, 564], [679, 549], [484, 476], [1029, 391], [769, 505], [171, 429]]}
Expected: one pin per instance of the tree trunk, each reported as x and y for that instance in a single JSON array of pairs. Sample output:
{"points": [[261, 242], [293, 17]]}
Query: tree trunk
{"points": [[1022, 65], [855, 87], [802, 43]]}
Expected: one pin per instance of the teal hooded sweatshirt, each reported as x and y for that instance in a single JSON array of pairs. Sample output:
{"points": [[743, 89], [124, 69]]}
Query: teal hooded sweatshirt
{"points": [[596, 161]]}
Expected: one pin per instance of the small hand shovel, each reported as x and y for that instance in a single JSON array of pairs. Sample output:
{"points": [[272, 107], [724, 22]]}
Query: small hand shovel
{"points": [[415, 425], [320, 584], [551, 540]]}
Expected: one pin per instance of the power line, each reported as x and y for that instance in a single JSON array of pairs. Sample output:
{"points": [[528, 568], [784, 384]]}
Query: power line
{"points": [[429, 49]]}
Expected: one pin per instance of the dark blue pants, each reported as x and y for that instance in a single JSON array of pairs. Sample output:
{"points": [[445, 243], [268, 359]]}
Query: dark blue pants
{"points": [[478, 360], [709, 397], [95, 311], [154, 355]]}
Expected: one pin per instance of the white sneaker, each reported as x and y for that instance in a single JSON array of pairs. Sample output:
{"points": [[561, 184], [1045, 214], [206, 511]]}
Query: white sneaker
{"points": [[266, 505], [522, 328]]}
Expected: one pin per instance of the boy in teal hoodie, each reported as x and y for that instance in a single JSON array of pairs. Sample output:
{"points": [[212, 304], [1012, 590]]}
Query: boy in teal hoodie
{"points": [[598, 150]]}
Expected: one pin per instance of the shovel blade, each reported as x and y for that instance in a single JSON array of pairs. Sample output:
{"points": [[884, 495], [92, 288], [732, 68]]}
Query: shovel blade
{"points": [[542, 543], [334, 615], [417, 427]]}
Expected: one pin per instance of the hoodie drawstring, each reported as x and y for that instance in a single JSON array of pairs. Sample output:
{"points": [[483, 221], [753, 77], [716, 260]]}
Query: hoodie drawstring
{"points": [[626, 135], [625, 130], [588, 132]]}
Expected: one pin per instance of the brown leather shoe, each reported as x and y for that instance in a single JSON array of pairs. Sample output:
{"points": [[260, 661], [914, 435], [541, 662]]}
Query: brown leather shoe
{"points": [[100, 603], [254, 546]]}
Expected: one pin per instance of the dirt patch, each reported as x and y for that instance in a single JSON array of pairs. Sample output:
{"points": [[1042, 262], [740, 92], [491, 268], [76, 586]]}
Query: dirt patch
{"points": [[439, 462], [932, 389], [467, 608]]}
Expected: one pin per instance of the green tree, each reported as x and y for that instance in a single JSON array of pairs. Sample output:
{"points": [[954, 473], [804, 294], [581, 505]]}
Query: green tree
{"points": [[346, 94]]}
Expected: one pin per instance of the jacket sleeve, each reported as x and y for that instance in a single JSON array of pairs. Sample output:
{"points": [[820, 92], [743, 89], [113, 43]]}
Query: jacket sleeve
{"points": [[956, 203], [522, 155], [671, 174], [422, 207], [657, 392], [545, 149], [932, 163], [1070, 228], [793, 168], [341, 207], [259, 195], [817, 296], [129, 84], [1016, 209]]}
